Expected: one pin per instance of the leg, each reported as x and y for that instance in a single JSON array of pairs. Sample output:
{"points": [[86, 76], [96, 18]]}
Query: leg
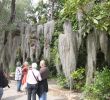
{"points": [[18, 85], [43, 96], [29, 92], [34, 92]]}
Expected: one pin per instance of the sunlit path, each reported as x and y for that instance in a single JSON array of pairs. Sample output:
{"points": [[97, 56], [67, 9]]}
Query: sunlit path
{"points": [[12, 94]]}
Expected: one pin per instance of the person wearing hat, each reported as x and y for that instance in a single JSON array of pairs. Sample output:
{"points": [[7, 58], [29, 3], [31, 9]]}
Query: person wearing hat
{"points": [[33, 77], [18, 76]]}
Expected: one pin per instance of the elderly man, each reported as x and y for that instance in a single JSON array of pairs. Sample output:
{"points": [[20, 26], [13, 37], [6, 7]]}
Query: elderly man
{"points": [[43, 85], [33, 77]]}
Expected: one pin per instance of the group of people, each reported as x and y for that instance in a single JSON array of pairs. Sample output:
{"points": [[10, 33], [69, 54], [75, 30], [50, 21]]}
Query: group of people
{"points": [[32, 79], [21, 74]]}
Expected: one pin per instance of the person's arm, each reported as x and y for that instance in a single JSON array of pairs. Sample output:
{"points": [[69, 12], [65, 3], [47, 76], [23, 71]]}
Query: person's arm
{"points": [[44, 73], [16, 74], [41, 71], [39, 76], [23, 69], [27, 77], [20, 71]]}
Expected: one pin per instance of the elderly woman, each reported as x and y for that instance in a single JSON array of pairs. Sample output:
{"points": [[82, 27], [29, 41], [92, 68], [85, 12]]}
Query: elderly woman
{"points": [[33, 77], [18, 76], [24, 75], [24, 71]]}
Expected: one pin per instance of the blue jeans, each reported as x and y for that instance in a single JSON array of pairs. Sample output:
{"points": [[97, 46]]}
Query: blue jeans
{"points": [[32, 88], [18, 85], [1, 92], [43, 96]]}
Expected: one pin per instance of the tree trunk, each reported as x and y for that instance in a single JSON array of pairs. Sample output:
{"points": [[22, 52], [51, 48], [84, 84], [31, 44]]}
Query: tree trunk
{"points": [[48, 31], [91, 57], [1, 5], [13, 11], [68, 51]]}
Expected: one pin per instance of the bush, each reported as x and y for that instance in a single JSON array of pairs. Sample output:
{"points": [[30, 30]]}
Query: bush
{"points": [[62, 81], [100, 89], [79, 78], [12, 69]]}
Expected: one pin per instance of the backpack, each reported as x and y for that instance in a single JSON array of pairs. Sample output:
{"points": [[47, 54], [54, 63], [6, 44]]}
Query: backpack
{"points": [[4, 82]]}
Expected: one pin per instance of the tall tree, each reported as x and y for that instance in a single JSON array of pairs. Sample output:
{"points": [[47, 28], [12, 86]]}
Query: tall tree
{"points": [[13, 11]]}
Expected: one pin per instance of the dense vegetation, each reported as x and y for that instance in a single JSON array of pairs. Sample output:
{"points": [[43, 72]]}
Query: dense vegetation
{"points": [[96, 16], [17, 8]]}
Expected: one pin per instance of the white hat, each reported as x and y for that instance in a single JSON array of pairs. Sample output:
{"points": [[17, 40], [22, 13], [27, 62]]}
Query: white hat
{"points": [[34, 65]]}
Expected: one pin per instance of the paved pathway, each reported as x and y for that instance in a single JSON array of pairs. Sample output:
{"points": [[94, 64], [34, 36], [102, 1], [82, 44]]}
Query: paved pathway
{"points": [[12, 94]]}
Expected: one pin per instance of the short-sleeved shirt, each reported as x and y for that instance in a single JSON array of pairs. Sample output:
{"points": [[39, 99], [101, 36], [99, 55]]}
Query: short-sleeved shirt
{"points": [[18, 73], [30, 77]]}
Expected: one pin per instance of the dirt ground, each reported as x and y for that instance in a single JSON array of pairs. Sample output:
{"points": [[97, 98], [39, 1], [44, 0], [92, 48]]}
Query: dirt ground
{"points": [[55, 93]]}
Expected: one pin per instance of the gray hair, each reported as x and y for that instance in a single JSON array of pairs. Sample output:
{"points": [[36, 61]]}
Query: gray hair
{"points": [[34, 65], [18, 64], [25, 63]]}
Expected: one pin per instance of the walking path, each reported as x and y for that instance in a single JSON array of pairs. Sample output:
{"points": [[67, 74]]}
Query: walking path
{"points": [[54, 93]]}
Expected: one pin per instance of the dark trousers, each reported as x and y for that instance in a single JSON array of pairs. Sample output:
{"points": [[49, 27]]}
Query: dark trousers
{"points": [[31, 91]]}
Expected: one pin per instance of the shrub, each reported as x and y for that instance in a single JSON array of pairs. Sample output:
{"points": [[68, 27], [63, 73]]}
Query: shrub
{"points": [[62, 81], [100, 89], [79, 78], [12, 69]]}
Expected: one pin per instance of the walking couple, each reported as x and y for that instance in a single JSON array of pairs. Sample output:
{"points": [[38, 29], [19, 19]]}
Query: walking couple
{"points": [[37, 81]]}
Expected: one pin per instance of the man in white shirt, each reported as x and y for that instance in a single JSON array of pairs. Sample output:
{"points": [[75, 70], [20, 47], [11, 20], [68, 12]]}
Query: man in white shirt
{"points": [[33, 77]]}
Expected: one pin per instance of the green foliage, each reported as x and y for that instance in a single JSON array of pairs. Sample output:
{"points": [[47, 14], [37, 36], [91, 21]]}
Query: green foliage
{"points": [[18, 54], [12, 69], [98, 17], [62, 81], [100, 89], [4, 12], [42, 20], [54, 56], [69, 11], [39, 12], [22, 8], [82, 54], [79, 78], [71, 7], [78, 74]]}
